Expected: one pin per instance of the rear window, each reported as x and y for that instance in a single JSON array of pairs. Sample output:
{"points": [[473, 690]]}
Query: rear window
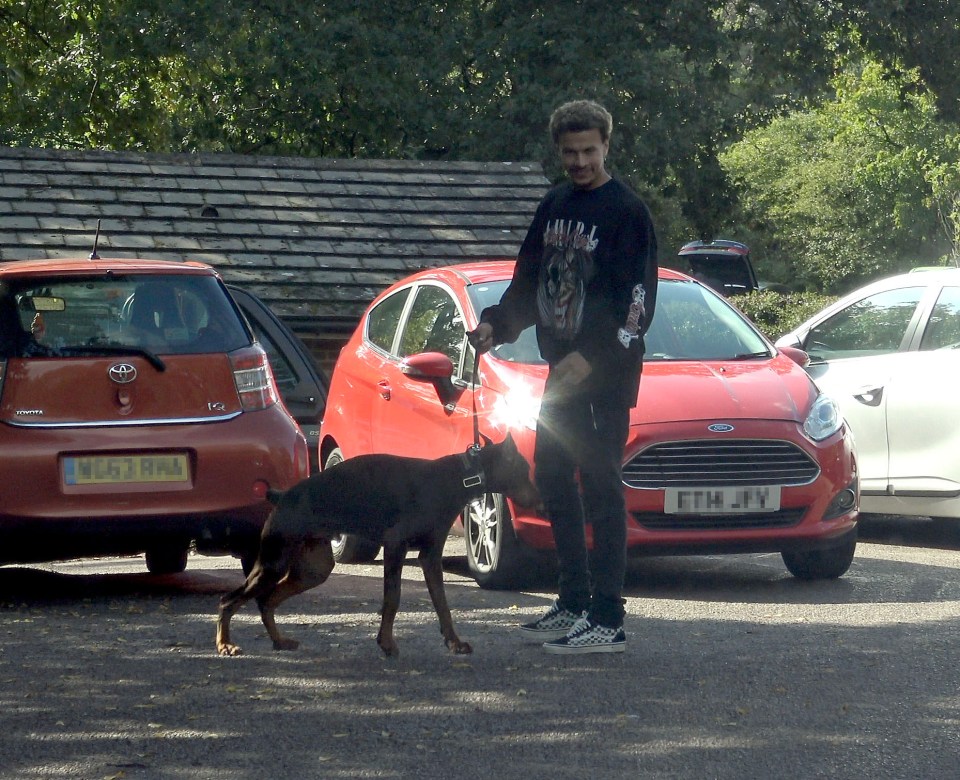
{"points": [[71, 316]]}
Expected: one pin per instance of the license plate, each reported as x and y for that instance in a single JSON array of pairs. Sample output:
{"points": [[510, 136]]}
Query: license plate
{"points": [[121, 469], [721, 501]]}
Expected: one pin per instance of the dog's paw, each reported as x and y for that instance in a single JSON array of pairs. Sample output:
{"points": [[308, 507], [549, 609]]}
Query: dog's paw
{"points": [[226, 649], [458, 647], [285, 643], [390, 649]]}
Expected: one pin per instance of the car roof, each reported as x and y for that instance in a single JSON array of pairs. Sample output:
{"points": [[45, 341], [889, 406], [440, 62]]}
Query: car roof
{"points": [[483, 271], [82, 265], [915, 278], [937, 273]]}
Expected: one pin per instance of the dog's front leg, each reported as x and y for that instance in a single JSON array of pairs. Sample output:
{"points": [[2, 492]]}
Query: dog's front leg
{"points": [[227, 608], [431, 561], [394, 554]]}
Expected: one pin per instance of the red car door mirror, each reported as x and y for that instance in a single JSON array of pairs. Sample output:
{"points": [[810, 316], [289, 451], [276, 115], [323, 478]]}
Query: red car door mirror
{"points": [[429, 366]]}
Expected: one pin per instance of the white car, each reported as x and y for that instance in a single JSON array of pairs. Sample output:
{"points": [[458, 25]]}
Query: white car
{"points": [[889, 354]]}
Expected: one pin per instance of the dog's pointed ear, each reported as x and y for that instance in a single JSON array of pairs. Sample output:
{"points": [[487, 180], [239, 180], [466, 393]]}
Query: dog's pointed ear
{"points": [[509, 443], [486, 439]]}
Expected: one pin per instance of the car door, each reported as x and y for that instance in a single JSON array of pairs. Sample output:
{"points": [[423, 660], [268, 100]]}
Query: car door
{"points": [[855, 354], [417, 417], [361, 384], [922, 406]]}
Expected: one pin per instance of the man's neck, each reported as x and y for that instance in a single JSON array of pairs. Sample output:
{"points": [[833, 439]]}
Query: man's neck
{"points": [[596, 184]]}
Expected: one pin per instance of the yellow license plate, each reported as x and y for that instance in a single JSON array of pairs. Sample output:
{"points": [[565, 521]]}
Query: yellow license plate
{"points": [[120, 469]]}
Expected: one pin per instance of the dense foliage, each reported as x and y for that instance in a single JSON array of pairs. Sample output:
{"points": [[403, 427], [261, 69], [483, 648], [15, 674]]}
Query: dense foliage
{"points": [[778, 313], [849, 183], [476, 79]]}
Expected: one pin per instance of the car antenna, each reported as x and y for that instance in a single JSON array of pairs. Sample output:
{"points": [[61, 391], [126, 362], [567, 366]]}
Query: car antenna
{"points": [[96, 240]]}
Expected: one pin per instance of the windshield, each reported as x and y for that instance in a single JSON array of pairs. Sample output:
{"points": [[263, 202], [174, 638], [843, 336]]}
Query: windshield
{"points": [[690, 323], [525, 349], [108, 314]]}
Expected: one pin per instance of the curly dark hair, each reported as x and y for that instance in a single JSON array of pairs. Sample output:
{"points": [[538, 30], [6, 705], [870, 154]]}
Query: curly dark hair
{"points": [[579, 115]]}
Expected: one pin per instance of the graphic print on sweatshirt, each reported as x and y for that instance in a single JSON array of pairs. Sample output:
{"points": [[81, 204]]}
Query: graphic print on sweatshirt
{"points": [[567, 268]]}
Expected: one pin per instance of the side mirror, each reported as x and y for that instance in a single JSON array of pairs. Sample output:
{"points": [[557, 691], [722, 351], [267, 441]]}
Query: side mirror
{"points": [[429, 366], [797, 355], [436, 368]]}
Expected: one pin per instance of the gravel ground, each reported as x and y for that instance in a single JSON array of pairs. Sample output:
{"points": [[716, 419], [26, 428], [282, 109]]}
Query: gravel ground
{"points": [[733, 670]]}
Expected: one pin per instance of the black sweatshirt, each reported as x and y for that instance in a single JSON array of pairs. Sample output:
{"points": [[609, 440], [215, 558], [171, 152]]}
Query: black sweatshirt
{"points": [[586, 275]]}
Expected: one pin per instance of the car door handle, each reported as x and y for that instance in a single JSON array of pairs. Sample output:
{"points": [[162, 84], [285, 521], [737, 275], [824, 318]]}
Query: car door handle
{"points": [[869, 396], [385, 391]]}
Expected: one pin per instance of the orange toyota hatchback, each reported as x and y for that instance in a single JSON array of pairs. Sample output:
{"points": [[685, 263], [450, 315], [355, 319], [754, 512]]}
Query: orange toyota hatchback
{"points": [[138, 413]]}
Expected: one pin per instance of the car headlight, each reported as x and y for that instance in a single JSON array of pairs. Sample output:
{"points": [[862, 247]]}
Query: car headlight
{"points": [[518, 408], [824, 419]]}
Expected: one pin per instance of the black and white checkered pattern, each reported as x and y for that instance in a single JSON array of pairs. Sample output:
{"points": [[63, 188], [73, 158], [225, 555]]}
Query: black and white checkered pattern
{"points": [[554, 624], [588, 637]]}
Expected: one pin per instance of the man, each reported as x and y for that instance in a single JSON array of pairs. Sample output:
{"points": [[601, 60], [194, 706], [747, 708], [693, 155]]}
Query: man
{"points": [[586, 275]]}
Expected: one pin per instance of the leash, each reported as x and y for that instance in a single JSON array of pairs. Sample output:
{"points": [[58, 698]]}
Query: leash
{"points": [[476, 418], [471, 458]]}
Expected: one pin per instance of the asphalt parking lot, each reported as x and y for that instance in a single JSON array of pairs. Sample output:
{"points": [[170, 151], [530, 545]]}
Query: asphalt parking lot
{"points": [[733, 670]]}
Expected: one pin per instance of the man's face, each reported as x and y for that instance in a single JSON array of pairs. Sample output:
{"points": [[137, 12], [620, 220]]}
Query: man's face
{"points": [[582, 154]]}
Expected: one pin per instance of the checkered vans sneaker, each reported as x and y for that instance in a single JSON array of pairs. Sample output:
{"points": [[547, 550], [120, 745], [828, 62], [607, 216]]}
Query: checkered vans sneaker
{"points": [[554, 624], [588, 637]]}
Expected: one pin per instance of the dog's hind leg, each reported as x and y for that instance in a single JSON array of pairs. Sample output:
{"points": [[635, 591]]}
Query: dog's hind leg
{"points": [[431, 561], [394, 555], [310, 566]]}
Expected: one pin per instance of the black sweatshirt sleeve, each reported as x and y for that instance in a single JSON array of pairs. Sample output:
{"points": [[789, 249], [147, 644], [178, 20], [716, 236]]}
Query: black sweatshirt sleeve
{"points": [[611, 338], [517, 308]]}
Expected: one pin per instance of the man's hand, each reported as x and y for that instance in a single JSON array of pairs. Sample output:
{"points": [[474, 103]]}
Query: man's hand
{"points": [[572, 370], [566, 375], [481, 339]]}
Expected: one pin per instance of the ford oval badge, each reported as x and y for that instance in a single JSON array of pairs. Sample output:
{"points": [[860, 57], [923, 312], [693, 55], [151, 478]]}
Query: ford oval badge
{"points": [[720, 428]]}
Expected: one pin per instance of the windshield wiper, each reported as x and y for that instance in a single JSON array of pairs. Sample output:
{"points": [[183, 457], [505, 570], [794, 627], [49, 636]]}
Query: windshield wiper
{"points": [[751, 355], [116, 349]]}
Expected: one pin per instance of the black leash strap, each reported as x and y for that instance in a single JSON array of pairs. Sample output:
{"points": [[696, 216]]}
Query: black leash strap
{"points": [[475, 383]]}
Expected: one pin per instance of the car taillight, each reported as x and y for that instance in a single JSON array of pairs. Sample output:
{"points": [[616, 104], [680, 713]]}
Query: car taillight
{"points": [[254, 379]]}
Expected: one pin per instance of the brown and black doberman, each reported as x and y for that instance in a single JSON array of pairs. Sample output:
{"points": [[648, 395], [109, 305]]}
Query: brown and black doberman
{"points": [[397, 501]]}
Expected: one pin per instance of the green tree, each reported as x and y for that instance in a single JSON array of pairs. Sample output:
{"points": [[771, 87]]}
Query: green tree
{"points": [[912, 34], [845, 190], [463, 79], [403, 78]]}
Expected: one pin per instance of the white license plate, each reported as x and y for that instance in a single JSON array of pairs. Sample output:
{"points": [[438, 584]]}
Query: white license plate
{"points": [[721, 501]]}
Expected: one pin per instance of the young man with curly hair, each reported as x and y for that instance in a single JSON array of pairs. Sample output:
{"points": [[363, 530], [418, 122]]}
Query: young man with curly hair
{"points": [[586, 276]]}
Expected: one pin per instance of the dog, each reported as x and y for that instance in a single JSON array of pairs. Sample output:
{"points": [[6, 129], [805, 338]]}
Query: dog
{"points": [[398, 501]]}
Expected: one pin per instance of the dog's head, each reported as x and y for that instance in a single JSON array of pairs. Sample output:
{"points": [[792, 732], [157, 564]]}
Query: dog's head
{"points": [[508, 472]]}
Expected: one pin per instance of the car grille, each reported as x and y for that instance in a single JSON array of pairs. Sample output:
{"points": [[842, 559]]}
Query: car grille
{"points": [[720, 463], [785, 518]]}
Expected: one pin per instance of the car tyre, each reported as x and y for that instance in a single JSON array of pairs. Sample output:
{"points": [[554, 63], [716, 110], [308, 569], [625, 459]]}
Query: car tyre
{"points": [[348, 548], [496, 558], [826, 564], [167, 559]]}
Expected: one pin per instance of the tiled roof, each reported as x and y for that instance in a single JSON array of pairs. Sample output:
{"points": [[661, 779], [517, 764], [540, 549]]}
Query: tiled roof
{"points": [[315, 238]]}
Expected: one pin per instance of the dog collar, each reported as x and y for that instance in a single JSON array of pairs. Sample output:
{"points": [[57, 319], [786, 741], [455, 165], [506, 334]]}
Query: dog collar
{"points": [[471, 464]]}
